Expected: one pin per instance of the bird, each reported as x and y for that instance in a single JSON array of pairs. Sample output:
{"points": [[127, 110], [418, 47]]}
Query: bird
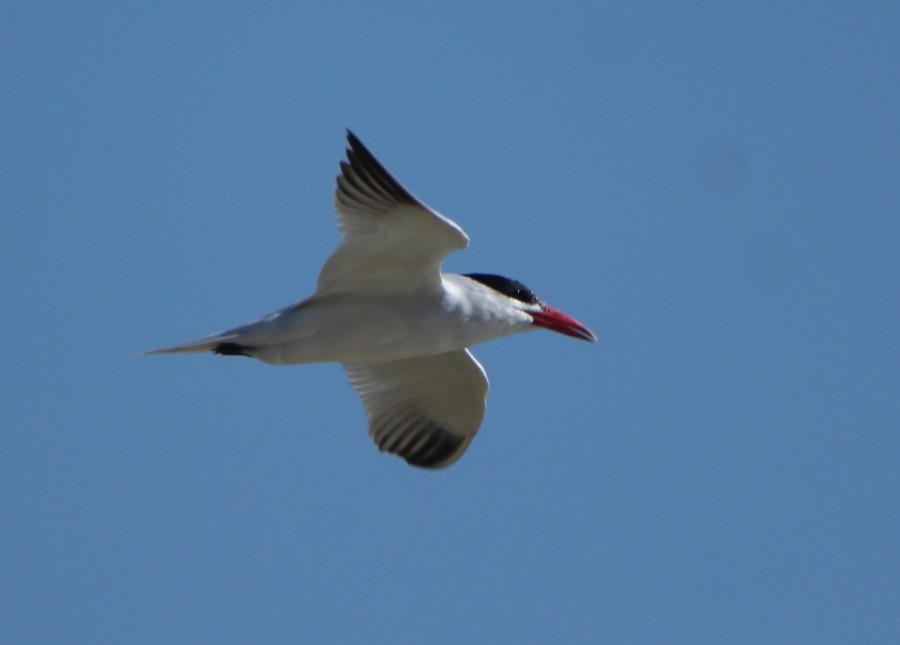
{"points": [[400, 328]]}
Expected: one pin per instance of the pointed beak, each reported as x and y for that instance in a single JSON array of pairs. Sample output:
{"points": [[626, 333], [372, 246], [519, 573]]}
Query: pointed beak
{"points": [[550, 318]]}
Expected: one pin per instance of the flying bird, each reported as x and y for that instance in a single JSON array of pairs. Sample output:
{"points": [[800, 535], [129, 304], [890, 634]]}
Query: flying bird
{"points": [[400, 327]]}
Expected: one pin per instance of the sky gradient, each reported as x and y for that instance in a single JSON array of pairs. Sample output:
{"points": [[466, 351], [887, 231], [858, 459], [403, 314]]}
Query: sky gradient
{"points": [[712, 188]]}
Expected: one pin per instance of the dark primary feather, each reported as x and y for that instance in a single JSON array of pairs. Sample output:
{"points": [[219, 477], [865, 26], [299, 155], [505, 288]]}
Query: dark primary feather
{"points": [[425, 445], [366, 174]]}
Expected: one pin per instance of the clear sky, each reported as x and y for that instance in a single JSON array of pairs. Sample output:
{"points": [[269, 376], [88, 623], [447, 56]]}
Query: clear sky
{"points": [[713, 188]]}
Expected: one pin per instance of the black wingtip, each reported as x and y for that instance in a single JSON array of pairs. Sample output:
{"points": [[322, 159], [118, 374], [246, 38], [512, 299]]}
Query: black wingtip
{"points": [[439, 450], [357, 146], [370, 170]]}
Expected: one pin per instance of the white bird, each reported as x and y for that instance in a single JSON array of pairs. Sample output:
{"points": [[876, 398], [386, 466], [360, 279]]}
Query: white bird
{"points": [[400, 328]]}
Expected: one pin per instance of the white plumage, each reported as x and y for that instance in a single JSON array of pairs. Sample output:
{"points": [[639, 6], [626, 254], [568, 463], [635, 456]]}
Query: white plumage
{"points": [[400, 328]]}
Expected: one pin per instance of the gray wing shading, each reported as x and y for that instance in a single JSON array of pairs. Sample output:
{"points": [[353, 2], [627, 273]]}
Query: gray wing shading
{"points": [[392, 242], [425, 409]]}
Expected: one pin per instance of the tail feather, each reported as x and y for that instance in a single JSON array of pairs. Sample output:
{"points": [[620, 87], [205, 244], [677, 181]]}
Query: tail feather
{"points": [[208, 344]]}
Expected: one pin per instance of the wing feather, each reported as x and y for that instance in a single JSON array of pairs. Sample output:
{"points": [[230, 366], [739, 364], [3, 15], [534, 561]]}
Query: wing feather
{"points": [[425, 409], [393, 243]]}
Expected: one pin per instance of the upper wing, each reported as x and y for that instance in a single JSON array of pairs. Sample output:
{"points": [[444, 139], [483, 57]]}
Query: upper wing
{"points": [[392, 242], [424, 409]]}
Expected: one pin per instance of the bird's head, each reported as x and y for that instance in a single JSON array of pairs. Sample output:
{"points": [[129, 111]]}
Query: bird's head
{"points": [[542, 314]]}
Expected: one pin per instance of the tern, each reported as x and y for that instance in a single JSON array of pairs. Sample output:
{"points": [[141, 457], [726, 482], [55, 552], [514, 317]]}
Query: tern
{"points": [[400, 327]]}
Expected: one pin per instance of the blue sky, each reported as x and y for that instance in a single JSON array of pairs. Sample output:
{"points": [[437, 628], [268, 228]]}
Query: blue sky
{"points": [[711, 187]]}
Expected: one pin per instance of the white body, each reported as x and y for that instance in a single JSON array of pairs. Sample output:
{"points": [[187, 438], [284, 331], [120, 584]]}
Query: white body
{"points": [[351, 328], [400, 328]]}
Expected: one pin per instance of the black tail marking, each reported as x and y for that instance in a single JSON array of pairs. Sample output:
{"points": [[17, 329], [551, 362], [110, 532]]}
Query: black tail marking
{"points": [[231, 349]]}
